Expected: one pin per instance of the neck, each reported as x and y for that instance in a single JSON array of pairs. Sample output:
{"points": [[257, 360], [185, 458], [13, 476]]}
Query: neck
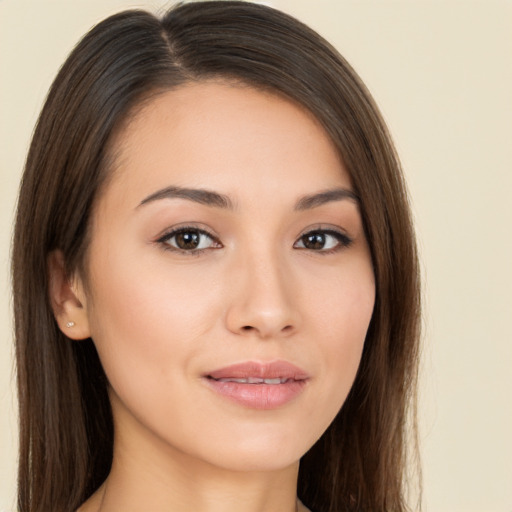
{"points": [[148, 474], [194, 489]]}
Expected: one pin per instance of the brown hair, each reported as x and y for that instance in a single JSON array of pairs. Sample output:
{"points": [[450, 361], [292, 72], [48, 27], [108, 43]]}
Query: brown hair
{"points": [[66, 431]]}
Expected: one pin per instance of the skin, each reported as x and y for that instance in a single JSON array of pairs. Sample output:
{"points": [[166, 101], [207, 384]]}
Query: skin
{"points": [[161, 318]]}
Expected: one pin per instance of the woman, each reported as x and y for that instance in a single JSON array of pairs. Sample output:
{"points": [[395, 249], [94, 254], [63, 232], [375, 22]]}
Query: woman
{"points": [[215, 278]]}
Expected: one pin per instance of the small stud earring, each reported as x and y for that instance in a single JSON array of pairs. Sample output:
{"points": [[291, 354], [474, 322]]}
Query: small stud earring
{"points": [[70, 324]]}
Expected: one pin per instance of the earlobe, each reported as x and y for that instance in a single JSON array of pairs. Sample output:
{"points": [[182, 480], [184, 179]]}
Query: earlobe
{"points": [[67, 299]]}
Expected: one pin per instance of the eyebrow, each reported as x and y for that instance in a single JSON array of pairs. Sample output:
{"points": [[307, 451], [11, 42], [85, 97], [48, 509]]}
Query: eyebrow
{"points": [[327, 196], [198, 195], [210, 198]]}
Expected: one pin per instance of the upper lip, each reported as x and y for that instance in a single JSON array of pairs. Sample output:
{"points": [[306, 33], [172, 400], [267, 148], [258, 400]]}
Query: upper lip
{"points": [[263, 370]]}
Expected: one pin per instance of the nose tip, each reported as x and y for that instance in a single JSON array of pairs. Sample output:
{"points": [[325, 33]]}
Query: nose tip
{"points": [[264, 303]]}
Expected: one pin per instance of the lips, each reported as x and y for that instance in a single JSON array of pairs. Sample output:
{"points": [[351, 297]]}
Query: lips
{"points": [[253, 369], [259, 385], [254, 380]]}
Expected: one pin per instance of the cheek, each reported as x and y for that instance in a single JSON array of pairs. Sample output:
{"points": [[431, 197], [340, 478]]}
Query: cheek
{"points": [[148, 317], [341, 305], [343, 317]]}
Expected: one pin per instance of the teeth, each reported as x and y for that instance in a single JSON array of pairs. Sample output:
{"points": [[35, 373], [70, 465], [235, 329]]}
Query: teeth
{"points": [[272, 381], [254, 380]]}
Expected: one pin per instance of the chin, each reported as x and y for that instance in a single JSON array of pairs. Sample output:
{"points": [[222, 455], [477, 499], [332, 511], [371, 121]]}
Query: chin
{"points": [[260, 451], [258, 462]]}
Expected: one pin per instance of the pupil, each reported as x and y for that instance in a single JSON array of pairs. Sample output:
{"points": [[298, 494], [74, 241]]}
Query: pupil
{"points": [[187, 240], [314, 241]]}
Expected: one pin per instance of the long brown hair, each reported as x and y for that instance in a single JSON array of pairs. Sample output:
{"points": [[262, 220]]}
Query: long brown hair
{"points": [[66, 431]]}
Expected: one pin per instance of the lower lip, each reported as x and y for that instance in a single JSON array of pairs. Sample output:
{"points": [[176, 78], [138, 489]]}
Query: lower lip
{"points": [[259, 396]]}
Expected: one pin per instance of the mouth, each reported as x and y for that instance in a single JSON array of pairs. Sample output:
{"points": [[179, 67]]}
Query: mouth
{"points": [[259, 385], [253, 380]]}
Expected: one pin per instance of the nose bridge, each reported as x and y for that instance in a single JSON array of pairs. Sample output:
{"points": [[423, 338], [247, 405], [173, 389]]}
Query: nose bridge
{"points": [[264, 302]]}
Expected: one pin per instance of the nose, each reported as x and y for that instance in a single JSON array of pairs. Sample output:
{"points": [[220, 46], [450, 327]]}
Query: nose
{"points": [[264, 302]]}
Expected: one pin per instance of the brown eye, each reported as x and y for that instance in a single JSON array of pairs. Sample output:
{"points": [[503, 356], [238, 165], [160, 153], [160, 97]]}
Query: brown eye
{"points": [[323, 241], [315, 241], [189, 240]]}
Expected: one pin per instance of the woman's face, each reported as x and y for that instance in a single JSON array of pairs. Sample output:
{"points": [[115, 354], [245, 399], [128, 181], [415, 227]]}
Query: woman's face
{"points": [[230, 284]]}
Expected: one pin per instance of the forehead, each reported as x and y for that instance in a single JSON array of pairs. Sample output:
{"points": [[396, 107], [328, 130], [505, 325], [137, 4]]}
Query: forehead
{"points": [[225, 136]]}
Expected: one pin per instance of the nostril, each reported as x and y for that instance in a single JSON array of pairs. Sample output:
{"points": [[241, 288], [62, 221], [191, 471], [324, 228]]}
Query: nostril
{"points": [[247, 328]]}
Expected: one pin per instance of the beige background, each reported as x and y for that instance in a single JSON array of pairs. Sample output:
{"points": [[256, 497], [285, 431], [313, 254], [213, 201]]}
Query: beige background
{"points": [[442, 74]]}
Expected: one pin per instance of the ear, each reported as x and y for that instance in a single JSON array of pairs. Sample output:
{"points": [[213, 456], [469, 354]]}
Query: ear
{"points": [[67, 298]]}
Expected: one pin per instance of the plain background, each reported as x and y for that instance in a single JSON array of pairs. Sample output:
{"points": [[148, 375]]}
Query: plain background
{"points": [[441, 72]]}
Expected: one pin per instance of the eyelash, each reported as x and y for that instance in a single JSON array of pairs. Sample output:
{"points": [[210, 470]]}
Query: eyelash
{"points": [[343, 240], [164, 240]]}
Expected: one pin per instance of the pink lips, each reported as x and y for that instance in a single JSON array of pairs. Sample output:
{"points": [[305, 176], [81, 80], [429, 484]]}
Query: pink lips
{"points": [[259, 385]]}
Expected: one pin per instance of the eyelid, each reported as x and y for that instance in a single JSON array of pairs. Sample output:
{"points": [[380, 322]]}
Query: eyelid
{"points": [[183, 227], [340, 234], [163, 238], [325, 228]]}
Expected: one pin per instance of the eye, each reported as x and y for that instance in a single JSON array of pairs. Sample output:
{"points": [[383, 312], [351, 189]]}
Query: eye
{"points": [[322, 240], [189, 239]]}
